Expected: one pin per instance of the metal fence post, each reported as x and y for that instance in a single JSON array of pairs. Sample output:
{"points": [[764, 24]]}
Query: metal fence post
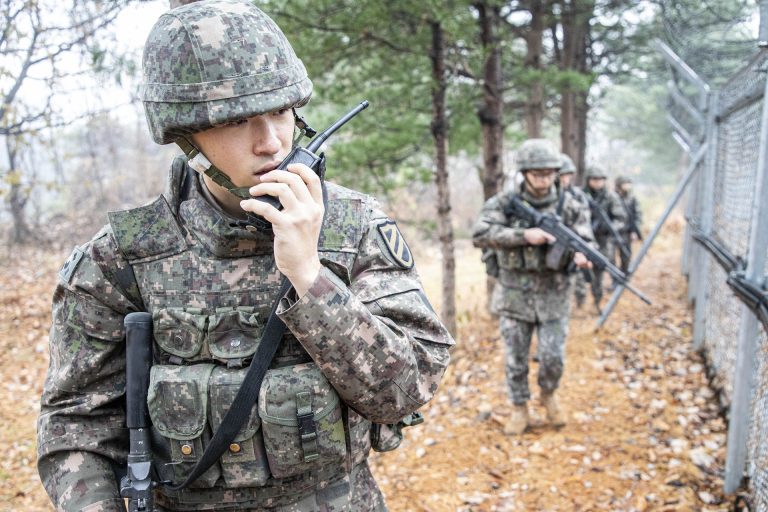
{"points": [[740, 412], [706, 215]]}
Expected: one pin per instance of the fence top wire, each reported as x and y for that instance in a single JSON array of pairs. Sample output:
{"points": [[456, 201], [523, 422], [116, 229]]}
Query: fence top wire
{"points": [[713, 37]]}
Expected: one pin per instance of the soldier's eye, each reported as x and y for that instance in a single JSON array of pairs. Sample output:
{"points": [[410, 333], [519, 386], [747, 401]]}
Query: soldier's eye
{"points": [[236, 123]]}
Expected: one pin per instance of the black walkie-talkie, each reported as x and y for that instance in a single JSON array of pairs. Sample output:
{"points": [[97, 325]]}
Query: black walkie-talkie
{"points": [[308, 157]]}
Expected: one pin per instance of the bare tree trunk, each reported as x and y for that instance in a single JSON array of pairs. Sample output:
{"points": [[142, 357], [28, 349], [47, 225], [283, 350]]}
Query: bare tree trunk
{"points": [[439, 134], [491, 111], [17, 198], [534, 115], [574, 105]]}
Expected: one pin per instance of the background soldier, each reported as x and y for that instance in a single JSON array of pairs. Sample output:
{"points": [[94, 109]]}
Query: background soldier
{"points": [[631, 230], [610, 204], [363, 344], [566, 174], [533, 288]]}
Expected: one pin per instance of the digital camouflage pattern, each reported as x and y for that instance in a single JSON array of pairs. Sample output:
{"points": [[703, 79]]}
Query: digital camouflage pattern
{"points": [[529, 295], [609, 201], [528, 290], [365, 324], [550, 336], [567, 167], [634, 218], [538, 154], [216, 61]]}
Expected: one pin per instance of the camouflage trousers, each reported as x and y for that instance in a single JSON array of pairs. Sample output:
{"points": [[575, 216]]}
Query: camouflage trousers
{"points": [[517, 336], [579, 285], [624, 259], [358, 492], [608, 249]]}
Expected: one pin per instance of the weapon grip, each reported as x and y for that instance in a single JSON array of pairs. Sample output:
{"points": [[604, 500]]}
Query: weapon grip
{"points": [[138, 360]]}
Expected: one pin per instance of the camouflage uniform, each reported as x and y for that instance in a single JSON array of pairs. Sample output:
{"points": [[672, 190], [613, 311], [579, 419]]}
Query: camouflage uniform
{"points": [[363, 345], [579, 283], [528, 295], [611, 204], [634, 217]]}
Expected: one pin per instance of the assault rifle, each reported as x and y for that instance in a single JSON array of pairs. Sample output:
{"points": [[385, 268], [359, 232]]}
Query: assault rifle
{"points": [[749, 291], [564, 235], [603, 220], [137, 484]]}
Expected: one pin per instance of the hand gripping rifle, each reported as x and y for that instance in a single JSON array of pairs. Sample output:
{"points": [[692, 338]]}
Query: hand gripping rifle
{"points": [[137, 484], [603, 220], [552, 225]]}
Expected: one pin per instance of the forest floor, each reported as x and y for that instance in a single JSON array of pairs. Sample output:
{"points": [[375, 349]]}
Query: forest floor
{"points": [[644, 430]]}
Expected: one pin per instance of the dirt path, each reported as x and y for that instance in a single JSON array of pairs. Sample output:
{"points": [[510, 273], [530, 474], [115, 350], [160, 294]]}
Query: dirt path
{"points": [[643, 431]]}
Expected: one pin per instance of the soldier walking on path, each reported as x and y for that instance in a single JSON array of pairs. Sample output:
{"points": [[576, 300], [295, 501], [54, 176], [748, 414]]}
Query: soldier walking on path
{"points": [[608, 217], [209, 260], [534, 286], [632, 228]]}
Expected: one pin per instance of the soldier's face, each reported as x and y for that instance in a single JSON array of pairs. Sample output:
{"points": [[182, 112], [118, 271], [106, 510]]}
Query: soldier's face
{"points": [[596, 183], [626, 188], [565, 180], [539, 181], [246, 149]]}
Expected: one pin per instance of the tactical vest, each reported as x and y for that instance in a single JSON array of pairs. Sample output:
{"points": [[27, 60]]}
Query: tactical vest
{"points": [[533, 258], [210, 299]]}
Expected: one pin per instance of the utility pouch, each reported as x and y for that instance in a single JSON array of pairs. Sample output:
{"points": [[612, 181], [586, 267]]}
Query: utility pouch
{"points": [[179, 331], [558, 256], [533, 257], [387, 437], [178, 405], [234, 333], [301, 420], [491, 262], [244, 464]]}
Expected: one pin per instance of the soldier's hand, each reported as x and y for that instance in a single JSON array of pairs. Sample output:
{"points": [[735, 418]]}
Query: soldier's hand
{"points": [[537, 236], [297, 226], [581, 261]]}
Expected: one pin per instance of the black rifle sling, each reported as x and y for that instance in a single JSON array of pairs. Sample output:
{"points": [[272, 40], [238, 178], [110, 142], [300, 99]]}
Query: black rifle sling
{"points": [[246, 396]]}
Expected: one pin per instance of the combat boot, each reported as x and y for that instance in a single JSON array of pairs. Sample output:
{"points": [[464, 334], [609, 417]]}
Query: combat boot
{"points": [[555, 415], [518, 421]]}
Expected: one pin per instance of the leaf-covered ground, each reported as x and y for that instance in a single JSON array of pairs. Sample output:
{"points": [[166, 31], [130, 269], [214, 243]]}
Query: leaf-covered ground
{"points": [[644, 430]]}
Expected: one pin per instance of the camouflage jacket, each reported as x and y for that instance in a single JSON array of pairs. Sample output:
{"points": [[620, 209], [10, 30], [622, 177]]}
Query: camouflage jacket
{"points": [[633, 212], [365, 332], [527, 289], [609, 201]]}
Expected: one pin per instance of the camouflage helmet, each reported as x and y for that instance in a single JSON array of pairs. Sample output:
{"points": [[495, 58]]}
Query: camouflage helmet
{"points": [[594, 171], [212, 62], [568, 166], [620, 180], [538, 154]]}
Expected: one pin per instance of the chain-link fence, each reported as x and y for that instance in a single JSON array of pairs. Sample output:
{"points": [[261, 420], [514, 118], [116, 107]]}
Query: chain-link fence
{"points": [[726, 133]]}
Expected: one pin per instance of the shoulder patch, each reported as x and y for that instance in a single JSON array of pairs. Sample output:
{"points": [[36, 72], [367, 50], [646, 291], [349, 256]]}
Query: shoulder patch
{"points": [[70, 265], [395, 244]]}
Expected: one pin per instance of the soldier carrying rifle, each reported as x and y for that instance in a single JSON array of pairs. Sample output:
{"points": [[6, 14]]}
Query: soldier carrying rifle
{"points": [[534, 284]]}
